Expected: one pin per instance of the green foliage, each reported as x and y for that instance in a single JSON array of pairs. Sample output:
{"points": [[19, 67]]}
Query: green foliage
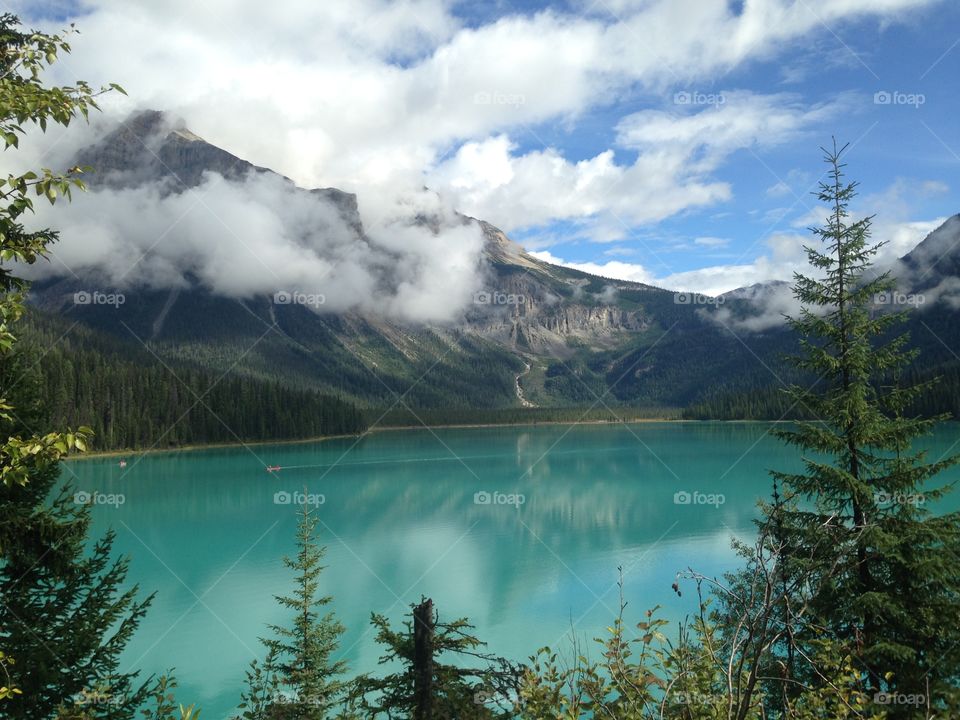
{"points": [[25, 101], [165, 706], [133, 400], [65, 608], [30, 450], [299, 678], [8, 690], [459, 692], [883, 566], [161, 704], [641, 675]]}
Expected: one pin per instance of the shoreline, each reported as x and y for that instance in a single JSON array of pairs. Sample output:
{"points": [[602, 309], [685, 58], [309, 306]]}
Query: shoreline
{"points": [[394, 428]]}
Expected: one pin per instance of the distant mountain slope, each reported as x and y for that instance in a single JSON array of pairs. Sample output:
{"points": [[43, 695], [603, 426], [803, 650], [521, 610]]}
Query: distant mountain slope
{"points": [[133, 400], [587, 340]]}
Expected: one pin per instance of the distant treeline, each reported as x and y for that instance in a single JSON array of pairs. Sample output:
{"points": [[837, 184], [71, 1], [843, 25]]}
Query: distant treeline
{"points": [[403, 417], [132, 400], [772, 403]]}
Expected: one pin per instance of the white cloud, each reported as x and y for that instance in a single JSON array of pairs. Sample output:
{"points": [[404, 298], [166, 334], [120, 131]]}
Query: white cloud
{"points": [[262, 236], [381, 97], [782, 255], [365, 93], [613, 269], [675, 154], [778, 189]]}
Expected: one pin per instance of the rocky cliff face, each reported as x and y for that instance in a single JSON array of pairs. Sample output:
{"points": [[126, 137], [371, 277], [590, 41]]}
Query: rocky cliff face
{"points": [[535, 333]]}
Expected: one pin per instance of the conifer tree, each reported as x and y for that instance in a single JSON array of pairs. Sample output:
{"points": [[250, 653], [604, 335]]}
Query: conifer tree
{"points": [[65, 615], [66, 612], [885, 569], [455, 689], [300, 679]]}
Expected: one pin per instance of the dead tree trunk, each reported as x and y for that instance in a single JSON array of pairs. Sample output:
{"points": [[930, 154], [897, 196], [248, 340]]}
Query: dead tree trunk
{"points": [[423, 627]]}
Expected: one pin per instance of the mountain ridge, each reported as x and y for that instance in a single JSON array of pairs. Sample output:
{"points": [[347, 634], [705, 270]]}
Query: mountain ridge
{"points": [[575, 338]]}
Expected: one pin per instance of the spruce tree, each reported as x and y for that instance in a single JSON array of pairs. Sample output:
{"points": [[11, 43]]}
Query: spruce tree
{"points": [[300, 679], [883, 569], [66, 612]]}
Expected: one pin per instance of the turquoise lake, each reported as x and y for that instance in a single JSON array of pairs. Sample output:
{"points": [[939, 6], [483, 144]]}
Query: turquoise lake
{"points": [[404, 515]]}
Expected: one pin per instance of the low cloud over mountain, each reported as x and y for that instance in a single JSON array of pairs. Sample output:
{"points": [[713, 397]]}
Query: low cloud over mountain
{"points": [[168, 210]]}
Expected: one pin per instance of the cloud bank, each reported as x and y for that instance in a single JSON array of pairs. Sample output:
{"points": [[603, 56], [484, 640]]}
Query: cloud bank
{"points": [[262, 237], [384, 97]]}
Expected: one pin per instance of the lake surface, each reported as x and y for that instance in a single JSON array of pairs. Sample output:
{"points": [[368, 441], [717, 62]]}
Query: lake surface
{"points": [[404, 516]]}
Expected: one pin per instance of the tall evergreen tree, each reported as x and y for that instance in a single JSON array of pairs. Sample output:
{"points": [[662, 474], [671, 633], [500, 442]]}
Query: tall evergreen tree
{"points": [[886, 571], [299, 679], [64, 610], [65, 615]]}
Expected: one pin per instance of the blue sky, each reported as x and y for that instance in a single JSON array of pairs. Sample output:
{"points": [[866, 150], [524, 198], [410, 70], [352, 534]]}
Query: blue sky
{"points": [[565, 123], [909, 150]]}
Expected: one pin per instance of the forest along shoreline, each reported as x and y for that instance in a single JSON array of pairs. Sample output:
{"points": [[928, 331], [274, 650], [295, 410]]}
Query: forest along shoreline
{"points": [[95, 454]]}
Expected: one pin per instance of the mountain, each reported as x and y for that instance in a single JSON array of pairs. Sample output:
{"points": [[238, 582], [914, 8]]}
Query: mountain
{"points": [[933, 267], [530, 314], [536, 335]]}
